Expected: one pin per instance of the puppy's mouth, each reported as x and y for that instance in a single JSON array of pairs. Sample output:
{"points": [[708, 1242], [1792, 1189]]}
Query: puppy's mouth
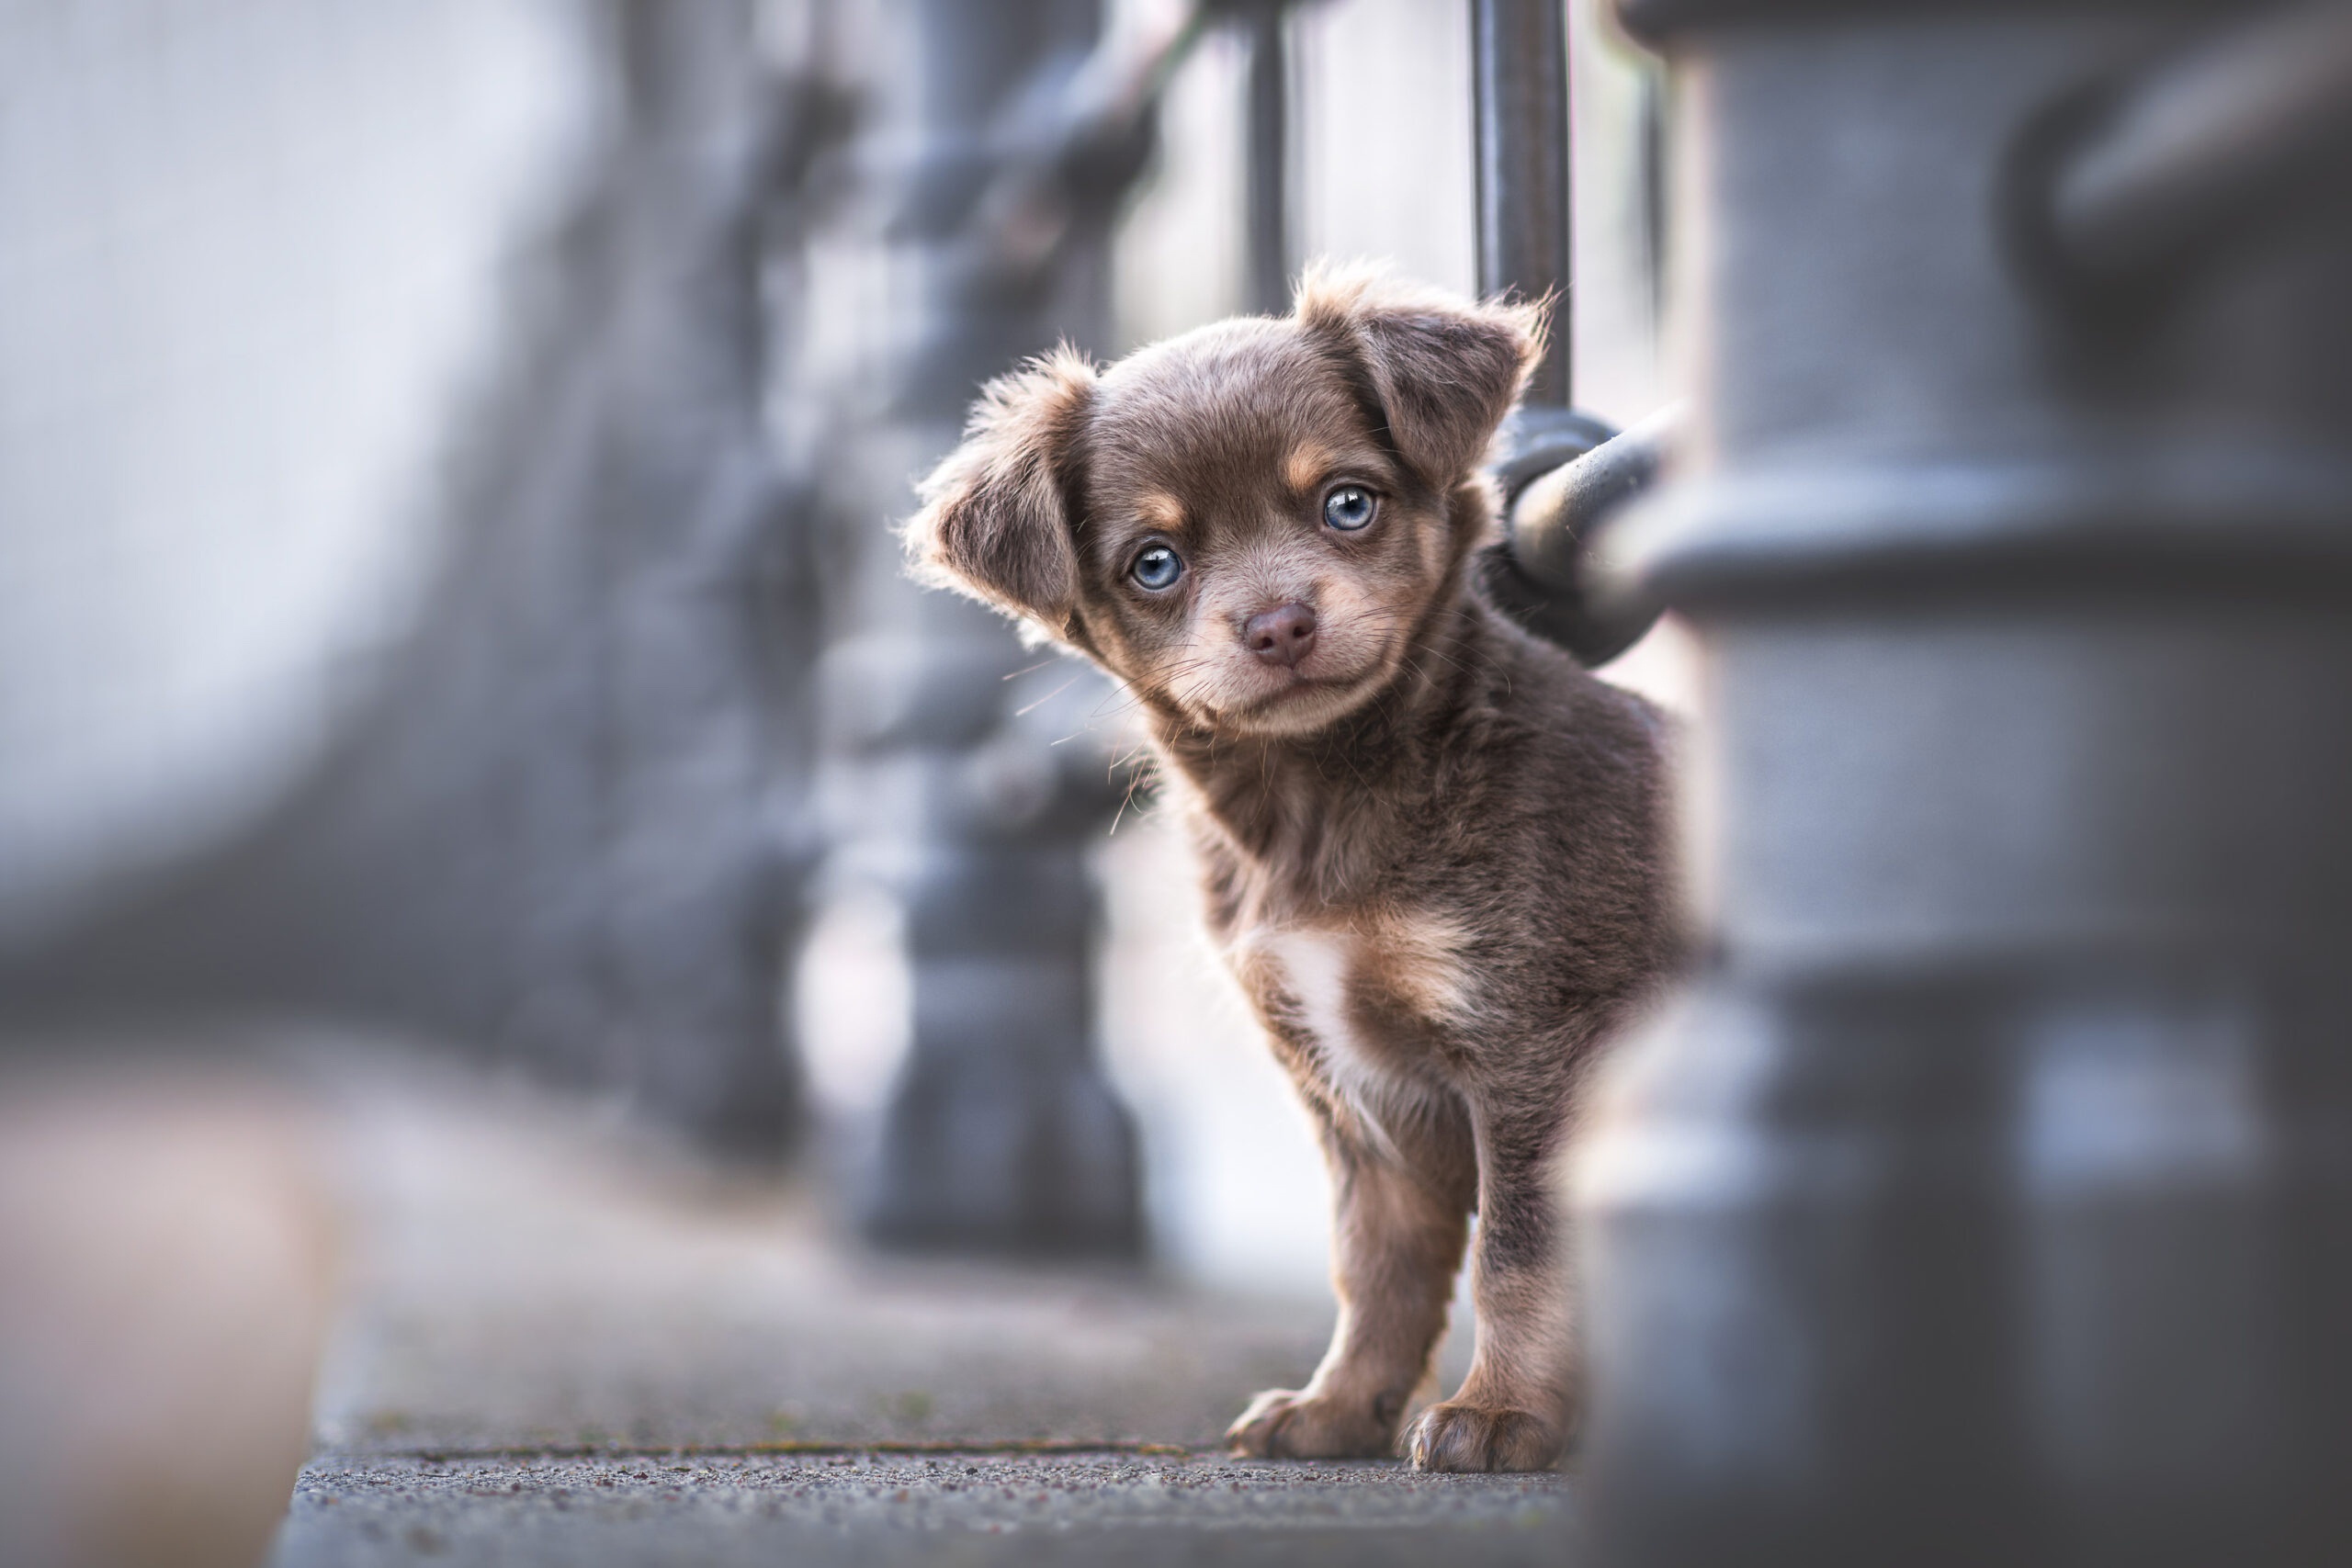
{"points": [[1298, 689], [1236, 695], [1300, 699]]}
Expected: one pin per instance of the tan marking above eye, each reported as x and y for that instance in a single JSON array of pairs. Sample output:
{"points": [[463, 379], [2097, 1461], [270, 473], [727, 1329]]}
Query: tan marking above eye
{"points": [[1305, 466], [1162, 511]]}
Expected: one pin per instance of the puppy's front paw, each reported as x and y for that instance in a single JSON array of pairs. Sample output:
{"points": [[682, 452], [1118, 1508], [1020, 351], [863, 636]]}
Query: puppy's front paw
{"points": [[1478, 1437], [1282, 1424]]}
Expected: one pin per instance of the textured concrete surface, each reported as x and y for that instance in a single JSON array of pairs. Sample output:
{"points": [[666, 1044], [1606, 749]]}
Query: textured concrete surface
{"points": [[518, 1281], [976, 1508], [563, 1345]]}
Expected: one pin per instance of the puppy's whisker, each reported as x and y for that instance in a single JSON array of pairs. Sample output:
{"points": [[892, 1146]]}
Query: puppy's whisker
{"points": [[1128, 700], [1126, 800], [1049, 696]]}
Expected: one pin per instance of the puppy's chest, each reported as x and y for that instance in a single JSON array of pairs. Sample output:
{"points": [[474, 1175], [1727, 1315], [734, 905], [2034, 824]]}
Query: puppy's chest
{"points": [[1379, 1011]]}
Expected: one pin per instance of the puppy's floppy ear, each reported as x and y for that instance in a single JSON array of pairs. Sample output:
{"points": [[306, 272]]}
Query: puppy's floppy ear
{"points": [[994, 524], [1446, 371]]}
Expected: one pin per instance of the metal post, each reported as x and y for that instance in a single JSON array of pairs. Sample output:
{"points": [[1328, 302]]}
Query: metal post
{"points": [[1002, 1133], [1986, 1200], [1518, 54], [1269, 158]]}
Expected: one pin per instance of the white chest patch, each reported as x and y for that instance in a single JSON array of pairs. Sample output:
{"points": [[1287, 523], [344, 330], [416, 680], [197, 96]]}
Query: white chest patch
{"points": [[1314, 967]]}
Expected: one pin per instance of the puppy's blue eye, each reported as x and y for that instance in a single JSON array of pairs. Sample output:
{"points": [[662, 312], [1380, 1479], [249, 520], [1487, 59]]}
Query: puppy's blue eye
{"points": [[1348, 508], [1157, 568]]}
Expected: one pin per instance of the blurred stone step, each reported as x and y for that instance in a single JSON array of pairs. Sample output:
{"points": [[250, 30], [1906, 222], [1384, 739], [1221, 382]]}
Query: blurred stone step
{"points": [[520, 1280], [951, 1510]]}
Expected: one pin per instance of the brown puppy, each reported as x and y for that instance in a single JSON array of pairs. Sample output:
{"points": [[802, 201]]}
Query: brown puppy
{"points": [[1432, 846]]}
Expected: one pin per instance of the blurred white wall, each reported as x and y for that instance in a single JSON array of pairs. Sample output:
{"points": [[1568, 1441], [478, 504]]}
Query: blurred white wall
{"points": [[1178, 258], [250, 253], [1381, 132]]}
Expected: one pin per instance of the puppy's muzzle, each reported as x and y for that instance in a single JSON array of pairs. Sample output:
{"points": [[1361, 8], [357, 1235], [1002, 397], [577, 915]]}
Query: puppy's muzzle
{"points": [[1281, 637]]}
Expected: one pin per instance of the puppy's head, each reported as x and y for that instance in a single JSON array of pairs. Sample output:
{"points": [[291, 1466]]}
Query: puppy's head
{"points": [[1246, 523]]}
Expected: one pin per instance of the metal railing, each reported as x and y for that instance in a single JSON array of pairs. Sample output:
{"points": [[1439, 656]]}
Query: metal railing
{"points": [[1986, 1199]]}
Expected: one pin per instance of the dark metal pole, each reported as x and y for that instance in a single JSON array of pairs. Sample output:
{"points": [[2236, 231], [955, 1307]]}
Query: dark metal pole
{"points": [[1004, 1134], [1987, 1199], [1269, 158], [1536, 574], [1518, 52], [1555, 531]]}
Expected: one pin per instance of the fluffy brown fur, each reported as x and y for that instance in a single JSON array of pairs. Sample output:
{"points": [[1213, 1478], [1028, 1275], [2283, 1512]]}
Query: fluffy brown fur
{"points": [[1431, 847]]}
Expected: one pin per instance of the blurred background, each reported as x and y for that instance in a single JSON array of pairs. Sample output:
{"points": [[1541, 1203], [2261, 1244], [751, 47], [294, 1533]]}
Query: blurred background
{"points": [[501, 883]]}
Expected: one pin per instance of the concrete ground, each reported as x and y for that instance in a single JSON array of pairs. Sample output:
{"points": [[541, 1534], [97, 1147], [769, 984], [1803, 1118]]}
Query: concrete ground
{"points": [[568, 1346], [982, 1508]]}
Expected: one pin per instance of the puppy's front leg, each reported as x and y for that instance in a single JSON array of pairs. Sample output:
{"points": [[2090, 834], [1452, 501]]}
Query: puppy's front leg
{"points": [[1511, 1412], [1397, 1244]]}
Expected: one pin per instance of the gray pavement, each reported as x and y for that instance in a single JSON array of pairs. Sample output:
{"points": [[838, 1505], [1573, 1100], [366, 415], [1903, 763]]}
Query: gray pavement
{"points": [[568, 1346], [865, 1508]]}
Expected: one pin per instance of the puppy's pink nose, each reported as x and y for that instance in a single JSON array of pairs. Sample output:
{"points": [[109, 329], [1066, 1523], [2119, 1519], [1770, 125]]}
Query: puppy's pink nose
{"points": [[1281, 637]]}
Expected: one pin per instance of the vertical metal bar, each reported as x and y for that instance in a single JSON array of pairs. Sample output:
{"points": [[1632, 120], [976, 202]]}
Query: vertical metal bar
{"points": [[1985, 1200], [1003, 1134], [1519, 67], [1519, 57], [1269, 160]]}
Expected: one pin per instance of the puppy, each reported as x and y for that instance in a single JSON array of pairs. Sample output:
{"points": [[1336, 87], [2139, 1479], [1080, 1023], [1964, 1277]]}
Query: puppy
{"points": [[1431, 846]]}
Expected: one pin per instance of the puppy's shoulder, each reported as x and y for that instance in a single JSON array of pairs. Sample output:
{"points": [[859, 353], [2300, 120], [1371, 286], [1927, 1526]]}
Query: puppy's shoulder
{"points": [[1542, 709]]}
